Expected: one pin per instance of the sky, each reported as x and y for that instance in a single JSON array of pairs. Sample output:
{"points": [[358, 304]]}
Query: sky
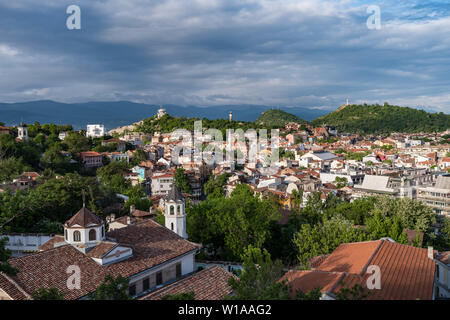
{"points": [[304, 53]]}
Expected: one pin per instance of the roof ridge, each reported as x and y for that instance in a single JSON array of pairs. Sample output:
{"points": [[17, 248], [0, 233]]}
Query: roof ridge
{"points": [[181, 281], [14, 283], [364, 269]]}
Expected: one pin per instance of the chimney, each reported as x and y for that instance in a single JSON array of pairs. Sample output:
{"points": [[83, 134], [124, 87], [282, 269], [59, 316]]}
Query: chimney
{"points": [[128, 220], [132, 209], [112, 217], [430, 253]]}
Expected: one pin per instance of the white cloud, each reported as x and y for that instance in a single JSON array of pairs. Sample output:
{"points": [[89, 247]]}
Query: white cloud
{"points": [[7, 50]]}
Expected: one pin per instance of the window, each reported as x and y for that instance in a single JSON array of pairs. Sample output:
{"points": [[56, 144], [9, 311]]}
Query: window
{"points": [[146, 284], [178, 268], [159, 278], [92, 235], [172, 210], [77, 236], [132, 290], [65, 234], [171, 226]]}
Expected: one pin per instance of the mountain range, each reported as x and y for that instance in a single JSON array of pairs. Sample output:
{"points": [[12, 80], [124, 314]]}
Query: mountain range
{"points": [[121, 113]]}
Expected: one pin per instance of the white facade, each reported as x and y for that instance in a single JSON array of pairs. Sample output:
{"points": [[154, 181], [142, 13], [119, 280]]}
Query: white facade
{"points": [[20, 243], [88, 236], [22, 132], [95, 130], [175, 217]]}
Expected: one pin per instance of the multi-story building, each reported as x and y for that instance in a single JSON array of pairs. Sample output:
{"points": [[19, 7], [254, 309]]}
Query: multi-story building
{"points": [[437, 196], [442, 281], [95, 130], [161, 183], [91, 159]]}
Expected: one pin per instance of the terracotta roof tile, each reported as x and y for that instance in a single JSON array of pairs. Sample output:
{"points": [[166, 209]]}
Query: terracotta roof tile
{"points": [[151, 242], [208, 284], [406, 272], [101, 249], [50, 244], [83, 218], [307, 280], [350, 257], [11, 288]]}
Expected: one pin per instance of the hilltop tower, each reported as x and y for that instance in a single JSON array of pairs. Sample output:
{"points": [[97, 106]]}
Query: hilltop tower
{"points": [[174, 212], [161, 112], [231, 116]]}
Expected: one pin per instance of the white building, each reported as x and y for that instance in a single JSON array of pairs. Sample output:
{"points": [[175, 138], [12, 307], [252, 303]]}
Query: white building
{"points": [[162, 183], [146, 253], [95, 130], [174, 212], [442, 282], [22, 132]]}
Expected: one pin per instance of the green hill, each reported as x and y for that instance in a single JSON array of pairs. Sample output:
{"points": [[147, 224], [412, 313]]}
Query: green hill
{"points": [[277, 118], [377, 119]]}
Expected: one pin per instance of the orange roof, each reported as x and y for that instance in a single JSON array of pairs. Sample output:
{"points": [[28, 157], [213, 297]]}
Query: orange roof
{"points": [[90, 154], [406, 272], [350, 257], [307, 280]]}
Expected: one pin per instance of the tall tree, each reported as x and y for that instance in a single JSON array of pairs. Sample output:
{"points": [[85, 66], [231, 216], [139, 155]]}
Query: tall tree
{"points": [[260, 278], [4, 256]]}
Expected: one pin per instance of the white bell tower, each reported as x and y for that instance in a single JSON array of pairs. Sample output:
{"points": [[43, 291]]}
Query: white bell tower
{"points": [[22, 132], [174, 212]]}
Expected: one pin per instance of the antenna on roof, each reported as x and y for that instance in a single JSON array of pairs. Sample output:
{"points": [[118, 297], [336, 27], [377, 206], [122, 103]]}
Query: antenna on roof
{"points": [[84, 198]]}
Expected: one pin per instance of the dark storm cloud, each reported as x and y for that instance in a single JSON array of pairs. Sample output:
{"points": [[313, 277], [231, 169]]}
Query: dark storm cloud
{"points": [[294, 53]]}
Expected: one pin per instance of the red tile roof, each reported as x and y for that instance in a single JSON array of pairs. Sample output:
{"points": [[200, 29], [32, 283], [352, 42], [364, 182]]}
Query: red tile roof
{"points": [[406, 272], [102, 249], [208, 284], [83, 218], [350, 257], [306, 280], [50, 244], [152, 245], [11, 288], [90, 154]]}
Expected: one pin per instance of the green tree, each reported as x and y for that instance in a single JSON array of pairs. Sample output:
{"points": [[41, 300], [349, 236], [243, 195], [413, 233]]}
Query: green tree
{"points": [[12, 167], [54, 160], [4, 256], [182, 181], [225, 226], [214, 187], [356, 292], [50, 294], [76, 142], [138, 157], [314, 294], [323, 238], [260, 277], [341, 182], [112, 289]]}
